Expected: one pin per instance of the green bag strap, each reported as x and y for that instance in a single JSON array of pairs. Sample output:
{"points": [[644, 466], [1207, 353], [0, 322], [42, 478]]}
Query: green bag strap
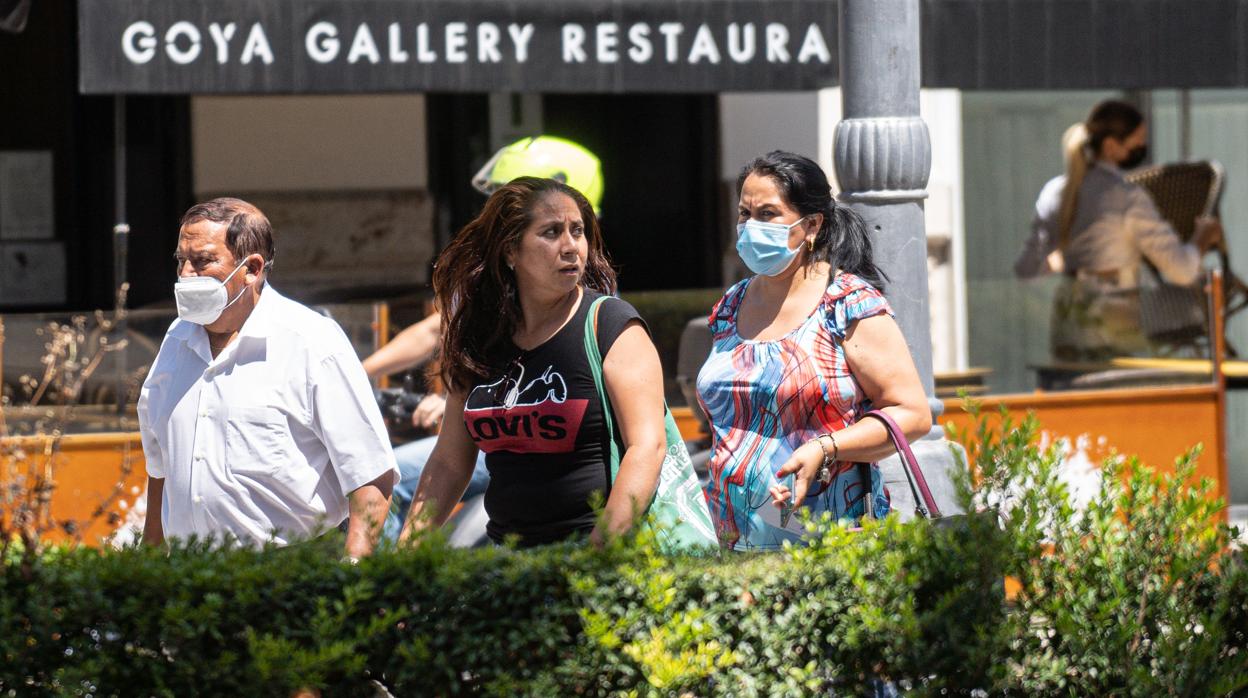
{"points": [[594, 354], [680, 534]]}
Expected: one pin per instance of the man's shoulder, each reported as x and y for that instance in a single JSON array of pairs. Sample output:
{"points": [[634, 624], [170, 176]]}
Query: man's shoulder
{"points": [[290, 312], [305, 325]]}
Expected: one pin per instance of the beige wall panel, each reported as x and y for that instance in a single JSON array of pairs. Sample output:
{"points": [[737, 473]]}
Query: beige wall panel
{"points": [[337, 245], [289, 143]]}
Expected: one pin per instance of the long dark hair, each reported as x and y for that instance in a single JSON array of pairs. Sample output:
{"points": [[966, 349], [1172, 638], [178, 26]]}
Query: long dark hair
{"points": [[476, 290], [842, 240]]}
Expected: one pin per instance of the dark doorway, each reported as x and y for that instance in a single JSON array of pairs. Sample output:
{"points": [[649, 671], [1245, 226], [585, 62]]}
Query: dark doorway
{"points": [[659, 156], [44, 112], [459, 144]]}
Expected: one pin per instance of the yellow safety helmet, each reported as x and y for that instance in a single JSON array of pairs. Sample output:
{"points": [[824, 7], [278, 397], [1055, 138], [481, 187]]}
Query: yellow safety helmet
{"points": [[544, 156]]}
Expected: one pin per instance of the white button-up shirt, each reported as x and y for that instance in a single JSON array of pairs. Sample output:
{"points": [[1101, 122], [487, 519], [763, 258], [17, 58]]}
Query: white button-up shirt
{"points": [[265, 441], [1116, 225]]}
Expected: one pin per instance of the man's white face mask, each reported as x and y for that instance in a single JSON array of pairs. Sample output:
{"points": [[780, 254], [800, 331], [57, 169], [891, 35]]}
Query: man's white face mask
{"points": [[202, 299]]}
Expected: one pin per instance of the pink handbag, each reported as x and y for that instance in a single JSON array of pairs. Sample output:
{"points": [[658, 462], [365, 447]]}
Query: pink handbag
{"points": [[925, 503]]}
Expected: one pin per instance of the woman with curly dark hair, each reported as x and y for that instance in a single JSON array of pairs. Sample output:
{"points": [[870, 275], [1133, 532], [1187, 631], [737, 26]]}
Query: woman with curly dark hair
{"points": [[516, 285]]}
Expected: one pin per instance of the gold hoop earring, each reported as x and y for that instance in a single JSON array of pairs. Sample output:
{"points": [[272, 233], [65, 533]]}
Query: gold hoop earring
{"points": [[811, 243]]}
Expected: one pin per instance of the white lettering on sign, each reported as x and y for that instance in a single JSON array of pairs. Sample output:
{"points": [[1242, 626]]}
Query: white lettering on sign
{"points": [[322, 42], [363, 46], [488, 36], [520, 36], [257, 45], [573, 43], [221, 36], [183, 42], [671, 31], [639, 36], [704, 46], [741, 43], [607, 41], [397, 54], [777, 43], [456, 40], [138, 42], [424, 54], [814, 45], [177, 54]]}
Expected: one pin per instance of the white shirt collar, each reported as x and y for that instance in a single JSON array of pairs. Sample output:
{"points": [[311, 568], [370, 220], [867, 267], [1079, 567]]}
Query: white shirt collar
{"points": [[257, 325], [260, 322]]}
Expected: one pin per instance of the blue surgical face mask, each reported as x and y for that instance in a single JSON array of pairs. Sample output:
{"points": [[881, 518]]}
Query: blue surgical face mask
{"points": [[764, 247]]}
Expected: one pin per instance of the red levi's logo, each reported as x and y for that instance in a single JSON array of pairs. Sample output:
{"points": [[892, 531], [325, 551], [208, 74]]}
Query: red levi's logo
{"points": [[535, 418]]}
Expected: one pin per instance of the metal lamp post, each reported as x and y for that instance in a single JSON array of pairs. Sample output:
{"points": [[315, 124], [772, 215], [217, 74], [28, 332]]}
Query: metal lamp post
{"points": [[121, 247], [883, 156]]}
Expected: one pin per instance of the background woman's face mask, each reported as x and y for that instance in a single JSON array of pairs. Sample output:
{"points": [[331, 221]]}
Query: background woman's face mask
{"points": [[202, 299], [1135, 157], [764, 247]]}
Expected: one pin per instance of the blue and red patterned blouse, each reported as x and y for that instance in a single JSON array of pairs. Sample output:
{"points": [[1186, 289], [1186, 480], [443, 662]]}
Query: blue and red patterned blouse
{"points": [[765, 399]]}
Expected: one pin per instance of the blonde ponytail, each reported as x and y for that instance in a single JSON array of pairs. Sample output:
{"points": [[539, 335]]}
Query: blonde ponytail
{"points": [[1075, 150]]}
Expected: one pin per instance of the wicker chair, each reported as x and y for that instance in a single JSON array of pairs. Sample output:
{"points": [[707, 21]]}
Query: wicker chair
{"points": [[1182, 192]]}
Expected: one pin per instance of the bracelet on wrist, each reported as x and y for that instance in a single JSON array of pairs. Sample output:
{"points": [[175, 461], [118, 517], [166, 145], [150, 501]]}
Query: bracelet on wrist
{"points": [[836, 450], [824, 474], [819, 440]]}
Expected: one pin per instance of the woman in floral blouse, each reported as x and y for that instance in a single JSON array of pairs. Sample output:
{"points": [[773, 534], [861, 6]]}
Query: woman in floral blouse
{"points": [[802, 350]]}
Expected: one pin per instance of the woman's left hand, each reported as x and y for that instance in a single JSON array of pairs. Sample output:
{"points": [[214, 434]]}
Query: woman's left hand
{"points": [[803, 465]]}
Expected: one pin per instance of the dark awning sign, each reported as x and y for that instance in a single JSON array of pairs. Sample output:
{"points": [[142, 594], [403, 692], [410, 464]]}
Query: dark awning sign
{"points": [[323, 46], [317, 46]]}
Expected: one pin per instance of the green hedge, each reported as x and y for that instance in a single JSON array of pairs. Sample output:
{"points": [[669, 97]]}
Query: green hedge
{"points": [[1141, 594]]}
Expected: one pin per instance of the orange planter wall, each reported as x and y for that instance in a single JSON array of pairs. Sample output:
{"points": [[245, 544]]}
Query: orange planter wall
{"points": [[86, 468], [1156, 424]]}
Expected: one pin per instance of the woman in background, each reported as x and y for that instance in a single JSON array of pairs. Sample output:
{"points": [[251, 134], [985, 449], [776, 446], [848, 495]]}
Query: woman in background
{"points": [[1096, 228]]}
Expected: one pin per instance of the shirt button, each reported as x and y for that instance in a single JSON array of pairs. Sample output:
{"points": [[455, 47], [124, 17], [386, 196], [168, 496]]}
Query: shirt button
{"points": [[203, 413], [198, 499]]}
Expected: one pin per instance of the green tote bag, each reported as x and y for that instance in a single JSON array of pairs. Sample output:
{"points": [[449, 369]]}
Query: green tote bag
{"points": [[678, 512]]}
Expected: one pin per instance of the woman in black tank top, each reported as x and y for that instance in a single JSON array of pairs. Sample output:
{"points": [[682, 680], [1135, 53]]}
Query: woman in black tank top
{"points": [[516, 285]]}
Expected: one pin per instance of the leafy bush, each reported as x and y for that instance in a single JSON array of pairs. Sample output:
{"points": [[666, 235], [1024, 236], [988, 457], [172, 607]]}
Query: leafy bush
{"points": [[1143, 592], [46, 406], [1139, 594]]}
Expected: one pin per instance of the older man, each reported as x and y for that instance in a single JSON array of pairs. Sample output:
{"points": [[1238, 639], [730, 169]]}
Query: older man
{"points": [[257, 419]]}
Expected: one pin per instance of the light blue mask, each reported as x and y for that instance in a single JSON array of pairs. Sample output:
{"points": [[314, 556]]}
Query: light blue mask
{"points": [[764, 247]]}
